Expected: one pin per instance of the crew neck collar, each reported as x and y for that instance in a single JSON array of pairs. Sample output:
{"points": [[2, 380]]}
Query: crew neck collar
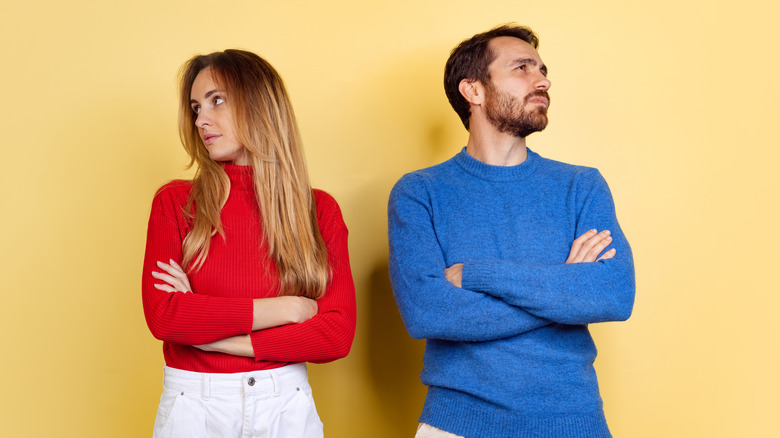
{"points": [[497, 173]]}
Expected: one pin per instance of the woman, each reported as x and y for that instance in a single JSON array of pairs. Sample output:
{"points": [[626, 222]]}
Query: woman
{"points": [[246, 274]]}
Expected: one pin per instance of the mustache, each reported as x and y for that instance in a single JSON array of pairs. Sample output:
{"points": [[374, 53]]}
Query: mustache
{"points": [[537, 93]]}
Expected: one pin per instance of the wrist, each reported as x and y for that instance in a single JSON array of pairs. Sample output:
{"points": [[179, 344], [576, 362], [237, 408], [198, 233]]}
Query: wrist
{"points": [[275, 311], [293, 310]]}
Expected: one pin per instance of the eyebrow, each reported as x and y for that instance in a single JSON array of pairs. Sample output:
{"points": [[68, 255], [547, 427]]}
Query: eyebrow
{"points": [[208, 94], [529, 61]]}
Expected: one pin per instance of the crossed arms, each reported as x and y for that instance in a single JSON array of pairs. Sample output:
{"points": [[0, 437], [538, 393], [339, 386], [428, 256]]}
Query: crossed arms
{"points": [[283, 329], [490, 299]]}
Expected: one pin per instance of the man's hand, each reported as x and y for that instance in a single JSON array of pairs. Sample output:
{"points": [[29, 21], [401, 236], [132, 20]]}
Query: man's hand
{"points": [[454, 274], [587, 247], [584, 249]]}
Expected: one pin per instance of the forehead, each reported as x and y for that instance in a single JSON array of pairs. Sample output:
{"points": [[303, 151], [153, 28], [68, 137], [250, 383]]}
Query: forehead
{"points": [[507, 49], [204, 82]]}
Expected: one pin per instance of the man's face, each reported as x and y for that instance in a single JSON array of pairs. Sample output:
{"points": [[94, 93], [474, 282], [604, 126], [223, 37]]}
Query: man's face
{"points": [[516, 98]]}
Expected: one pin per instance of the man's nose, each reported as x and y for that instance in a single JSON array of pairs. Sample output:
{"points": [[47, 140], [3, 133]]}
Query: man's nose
{"points": [[542, 83]]}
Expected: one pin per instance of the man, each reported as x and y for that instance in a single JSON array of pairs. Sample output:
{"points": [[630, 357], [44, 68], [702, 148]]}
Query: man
{"points": [[501, 258]]}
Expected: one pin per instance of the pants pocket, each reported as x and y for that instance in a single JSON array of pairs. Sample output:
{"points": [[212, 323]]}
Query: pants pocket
{"points": [[299, 418], [179, 415]]}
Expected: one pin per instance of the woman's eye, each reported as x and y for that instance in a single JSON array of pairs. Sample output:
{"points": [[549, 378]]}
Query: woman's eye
{"points": [[218, 101], [196, 109]]}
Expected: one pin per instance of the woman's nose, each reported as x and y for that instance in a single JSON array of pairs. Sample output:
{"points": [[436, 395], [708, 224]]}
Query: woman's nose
{"points": [[202, 120]]}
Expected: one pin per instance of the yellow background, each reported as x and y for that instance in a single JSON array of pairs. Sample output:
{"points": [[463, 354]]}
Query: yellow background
{"points": [[675, 102]]}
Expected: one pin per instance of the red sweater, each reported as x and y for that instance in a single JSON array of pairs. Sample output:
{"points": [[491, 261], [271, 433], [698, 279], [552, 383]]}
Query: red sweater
{"points": [[236, 271]]}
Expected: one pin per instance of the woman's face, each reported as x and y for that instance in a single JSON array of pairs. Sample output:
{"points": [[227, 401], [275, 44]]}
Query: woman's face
{"points": [[214, 120]]}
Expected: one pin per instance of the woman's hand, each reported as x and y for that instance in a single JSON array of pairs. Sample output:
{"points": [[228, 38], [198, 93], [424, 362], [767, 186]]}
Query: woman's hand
{"points": [[276, 311], [302, 308], [237, 346], [175, 278], [587, 247]]}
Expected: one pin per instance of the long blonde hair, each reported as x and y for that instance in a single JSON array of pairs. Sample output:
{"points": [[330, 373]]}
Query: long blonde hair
{"points": [[265, 125]]}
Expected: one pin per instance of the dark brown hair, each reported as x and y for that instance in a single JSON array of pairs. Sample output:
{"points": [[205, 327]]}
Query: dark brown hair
{"points": [[470, 60]]}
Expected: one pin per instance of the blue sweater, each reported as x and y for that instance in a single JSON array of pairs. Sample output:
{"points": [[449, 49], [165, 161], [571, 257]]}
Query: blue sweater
{"points": [[508, 354]]}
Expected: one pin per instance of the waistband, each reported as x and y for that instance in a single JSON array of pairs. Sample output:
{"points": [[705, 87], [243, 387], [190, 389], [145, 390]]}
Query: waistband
{"points": [[264, 381]]}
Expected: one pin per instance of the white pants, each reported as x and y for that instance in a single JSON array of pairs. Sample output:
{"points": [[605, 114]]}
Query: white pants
{"points": [[269, 404], [425, 430]]}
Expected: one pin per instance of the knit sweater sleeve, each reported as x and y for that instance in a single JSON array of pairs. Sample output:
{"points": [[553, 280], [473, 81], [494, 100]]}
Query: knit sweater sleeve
{"points": [[328, 335], [580, 293], [183, 318], [430, 306]]}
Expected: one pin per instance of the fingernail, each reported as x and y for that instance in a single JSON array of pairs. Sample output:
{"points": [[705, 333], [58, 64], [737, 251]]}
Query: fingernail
{"points": [[609, 239], [170, 260], [160, 264], [607, 232], [592, 231]]}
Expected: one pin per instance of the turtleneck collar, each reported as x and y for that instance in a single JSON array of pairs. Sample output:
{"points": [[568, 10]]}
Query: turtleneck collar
{"points": [[497, 173], [240, 176]]}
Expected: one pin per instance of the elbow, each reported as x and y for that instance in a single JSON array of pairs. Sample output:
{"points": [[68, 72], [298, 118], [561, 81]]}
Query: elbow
{"points": [[624, 306], [154, 324], [338, 348], [419, 326], [339, 342], [159, 331], [161, 327], [160, 335], [620, 306], [623, 313], [342, 348], [418, 331], [626, 309], [427, 321], [155, 312]]}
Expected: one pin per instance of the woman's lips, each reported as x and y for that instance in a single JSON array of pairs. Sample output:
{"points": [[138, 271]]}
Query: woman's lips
{"points": [[210, 138]]}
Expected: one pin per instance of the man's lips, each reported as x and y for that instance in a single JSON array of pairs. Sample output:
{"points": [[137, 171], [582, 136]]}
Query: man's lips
{"points": [[209, 138], [540, 97]]}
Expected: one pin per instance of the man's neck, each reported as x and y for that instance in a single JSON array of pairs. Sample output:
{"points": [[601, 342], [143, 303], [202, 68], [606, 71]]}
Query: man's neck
{"points": [[496, 148]]}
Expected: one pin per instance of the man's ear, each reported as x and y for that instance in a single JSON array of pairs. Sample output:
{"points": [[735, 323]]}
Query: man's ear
{"points": [[472, 91]]}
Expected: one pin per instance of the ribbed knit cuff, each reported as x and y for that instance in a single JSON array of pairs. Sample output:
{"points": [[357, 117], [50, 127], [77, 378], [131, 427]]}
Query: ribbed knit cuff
{"points": [[478, 275], [463, 415]]}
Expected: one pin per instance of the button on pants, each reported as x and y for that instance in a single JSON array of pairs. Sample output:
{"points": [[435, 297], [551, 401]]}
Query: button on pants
{"points": [[268, 404]]}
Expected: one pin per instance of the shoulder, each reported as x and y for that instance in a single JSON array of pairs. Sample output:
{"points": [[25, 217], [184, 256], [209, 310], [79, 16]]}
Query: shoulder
{"points": [[177, 188], [324, 201], [566, 170], [424, 181], [328, 210], [571, 175], [170, 199]]}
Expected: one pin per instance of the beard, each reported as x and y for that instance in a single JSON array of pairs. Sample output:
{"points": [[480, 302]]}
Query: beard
{"points": [[508, 116]]}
